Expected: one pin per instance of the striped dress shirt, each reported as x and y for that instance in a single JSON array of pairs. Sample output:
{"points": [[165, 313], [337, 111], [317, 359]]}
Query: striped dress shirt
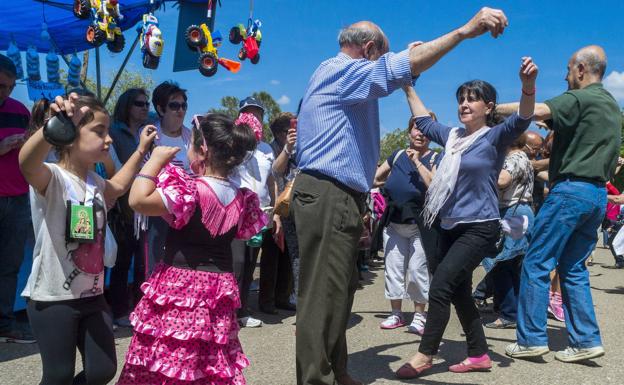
{"points": [[339, 119]]}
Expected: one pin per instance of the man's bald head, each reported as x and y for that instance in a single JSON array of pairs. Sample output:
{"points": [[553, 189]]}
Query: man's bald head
{"points": [[364, 36], [594, 58], [533, 144]]}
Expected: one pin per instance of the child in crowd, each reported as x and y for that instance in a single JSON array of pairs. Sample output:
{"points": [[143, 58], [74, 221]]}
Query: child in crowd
{"points": [[185, 326], [66, 305]]}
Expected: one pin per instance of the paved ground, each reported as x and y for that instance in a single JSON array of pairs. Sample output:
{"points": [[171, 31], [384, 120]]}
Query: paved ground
{"points": [[376, 354]]}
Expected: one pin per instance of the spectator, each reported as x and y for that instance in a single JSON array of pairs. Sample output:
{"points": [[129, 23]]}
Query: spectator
{"points": [[255, 174], [337, 151], [515, 185], [586, 121], [14, 207], [463, 195], [284, 132], [406, 174], [129, 116]]}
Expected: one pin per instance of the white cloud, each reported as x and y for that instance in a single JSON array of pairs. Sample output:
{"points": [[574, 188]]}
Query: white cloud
{"points": [[283, 100], [614, 83], [275, 82]]}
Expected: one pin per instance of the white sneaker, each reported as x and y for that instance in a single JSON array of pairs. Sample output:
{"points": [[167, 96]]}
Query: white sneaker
{"points": [[571, 354], [516, 350], [249, 322], [418, 324], [393, 321]]}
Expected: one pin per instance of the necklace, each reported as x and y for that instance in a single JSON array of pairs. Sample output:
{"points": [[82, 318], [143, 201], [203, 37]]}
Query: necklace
{"points": [[217, 177]]}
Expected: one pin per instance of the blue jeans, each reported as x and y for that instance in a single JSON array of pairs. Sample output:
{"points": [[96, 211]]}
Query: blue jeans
{"points": [[564, 235], [14, 223]]}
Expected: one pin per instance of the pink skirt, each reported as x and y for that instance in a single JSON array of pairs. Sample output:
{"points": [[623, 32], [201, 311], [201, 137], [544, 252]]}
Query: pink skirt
{"points": [[185, 331]]}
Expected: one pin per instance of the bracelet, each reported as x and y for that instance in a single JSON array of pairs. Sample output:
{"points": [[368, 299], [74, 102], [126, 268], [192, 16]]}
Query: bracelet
{"points": [[527, 93], [286, 151], [152, 178]]}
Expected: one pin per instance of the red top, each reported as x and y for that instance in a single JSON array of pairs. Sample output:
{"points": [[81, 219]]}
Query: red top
{"points": [[14, 117], [612, 209]]}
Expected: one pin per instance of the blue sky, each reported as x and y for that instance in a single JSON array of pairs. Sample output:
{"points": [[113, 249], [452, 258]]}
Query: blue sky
{"points": [[299, 34]]}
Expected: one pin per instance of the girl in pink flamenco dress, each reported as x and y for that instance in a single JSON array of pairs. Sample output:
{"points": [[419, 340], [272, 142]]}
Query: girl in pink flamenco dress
{"points": [[185, 327]]}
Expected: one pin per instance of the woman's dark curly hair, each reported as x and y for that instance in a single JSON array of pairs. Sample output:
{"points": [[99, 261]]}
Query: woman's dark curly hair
{"points": [[480, 90], [228, 143]]}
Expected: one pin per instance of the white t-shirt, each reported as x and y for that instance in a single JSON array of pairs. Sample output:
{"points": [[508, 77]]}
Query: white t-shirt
{"points": [[254, 173], [55, 261], [181, 158]]}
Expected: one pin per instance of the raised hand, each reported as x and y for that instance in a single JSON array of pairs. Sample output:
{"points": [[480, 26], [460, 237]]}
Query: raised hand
{"points": [[163, 154], [528, 73], [69, 107], [148, 134], [487, 19]]}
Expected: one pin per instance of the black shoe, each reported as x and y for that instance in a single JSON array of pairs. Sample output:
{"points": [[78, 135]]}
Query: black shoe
{"points": [[286, 306], [618, 265], [17, 336], [268, 310]]}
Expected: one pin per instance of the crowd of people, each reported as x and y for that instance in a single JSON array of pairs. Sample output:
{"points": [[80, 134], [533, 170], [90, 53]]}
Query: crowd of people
{"points": [[190, 210]]}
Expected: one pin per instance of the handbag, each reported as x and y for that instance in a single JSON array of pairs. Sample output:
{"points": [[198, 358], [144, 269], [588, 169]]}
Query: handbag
{"points": [[282, 203]]}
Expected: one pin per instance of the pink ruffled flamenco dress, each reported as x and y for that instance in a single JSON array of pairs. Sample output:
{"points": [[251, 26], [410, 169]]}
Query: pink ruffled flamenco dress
{"points": [[185, 327]]}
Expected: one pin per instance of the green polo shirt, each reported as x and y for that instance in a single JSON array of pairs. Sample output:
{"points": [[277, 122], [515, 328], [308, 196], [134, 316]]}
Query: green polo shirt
{"points": [[587, 124]]}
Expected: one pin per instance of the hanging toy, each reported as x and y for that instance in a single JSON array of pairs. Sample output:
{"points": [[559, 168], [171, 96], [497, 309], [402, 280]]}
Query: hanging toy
{"points": [[251, 37], [152, 43], [105, 16], [52, 65], [16, 57], [73, 75], [32, 64]]}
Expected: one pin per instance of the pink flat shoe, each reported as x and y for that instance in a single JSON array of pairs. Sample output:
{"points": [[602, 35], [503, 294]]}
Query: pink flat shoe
{"points": [[467, 366], [407, 371]]}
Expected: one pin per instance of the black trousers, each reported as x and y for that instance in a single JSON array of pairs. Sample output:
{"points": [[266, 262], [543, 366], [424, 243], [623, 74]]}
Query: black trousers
{"points": [[506, 278], [243, 271], [60, 327], [328, 218], [128, 247], [275, 274], [460, 251]]}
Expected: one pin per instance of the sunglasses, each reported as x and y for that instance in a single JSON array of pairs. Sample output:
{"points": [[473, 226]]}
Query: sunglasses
{"points": [[175, 106], [138, 103]]}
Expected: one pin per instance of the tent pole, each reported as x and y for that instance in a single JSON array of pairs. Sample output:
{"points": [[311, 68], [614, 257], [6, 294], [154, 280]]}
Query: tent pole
{"points": [[121, 69], [98, 74]]}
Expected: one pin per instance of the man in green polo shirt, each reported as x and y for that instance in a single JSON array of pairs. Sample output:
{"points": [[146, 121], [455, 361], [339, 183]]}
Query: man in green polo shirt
{"points": [[586, 121]]}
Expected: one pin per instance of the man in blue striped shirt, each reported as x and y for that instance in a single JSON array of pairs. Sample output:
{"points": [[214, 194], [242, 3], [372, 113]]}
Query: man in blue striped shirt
{"points": [[337, 151]]}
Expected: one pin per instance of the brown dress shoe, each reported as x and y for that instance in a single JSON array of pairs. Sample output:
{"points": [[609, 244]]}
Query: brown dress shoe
{"points": [[407, 371], [346, 379]]}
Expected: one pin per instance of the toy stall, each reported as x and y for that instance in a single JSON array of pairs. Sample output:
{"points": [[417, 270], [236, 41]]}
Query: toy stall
{"points": [[51, 36]]}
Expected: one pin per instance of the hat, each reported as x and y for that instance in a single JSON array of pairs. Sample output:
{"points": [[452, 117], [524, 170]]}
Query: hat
{"points": [[250, 102]]}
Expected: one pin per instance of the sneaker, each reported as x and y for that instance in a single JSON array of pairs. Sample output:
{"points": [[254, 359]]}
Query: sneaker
{"points": [[555, 306], [123, 322], [249, 322], [393, 321], [17, 336], [571, 354], [518, 351], [418, 324]]}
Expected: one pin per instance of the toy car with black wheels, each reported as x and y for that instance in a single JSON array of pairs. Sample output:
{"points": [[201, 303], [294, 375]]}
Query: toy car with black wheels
{"points": [[152, 43], [251, 37], [103, 28], [200, 39]]}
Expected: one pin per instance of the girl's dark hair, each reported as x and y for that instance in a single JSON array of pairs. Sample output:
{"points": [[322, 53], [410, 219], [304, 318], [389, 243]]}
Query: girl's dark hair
{"points": [[228, 143], [38, 115], [480, 90], [121, 113], [281, 123]]}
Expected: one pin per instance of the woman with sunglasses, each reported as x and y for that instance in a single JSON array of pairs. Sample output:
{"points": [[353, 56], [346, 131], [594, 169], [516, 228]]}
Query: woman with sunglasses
{"points": [[131, 113]]}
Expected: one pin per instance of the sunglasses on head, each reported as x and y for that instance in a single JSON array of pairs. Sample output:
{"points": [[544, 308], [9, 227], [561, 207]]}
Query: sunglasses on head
{"points": [[138, 103], [175, 106]]}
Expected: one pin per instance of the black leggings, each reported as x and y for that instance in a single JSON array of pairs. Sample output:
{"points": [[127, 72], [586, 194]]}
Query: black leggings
{"points": [[61, 326], [460, 250]]}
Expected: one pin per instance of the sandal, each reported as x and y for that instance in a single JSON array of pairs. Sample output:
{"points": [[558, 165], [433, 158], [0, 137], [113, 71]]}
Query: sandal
{"points": [[501, 323]]}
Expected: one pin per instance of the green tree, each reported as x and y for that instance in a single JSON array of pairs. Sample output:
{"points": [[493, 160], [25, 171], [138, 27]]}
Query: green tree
{"points": [[229, 106], [391, 142], [129, 78]]}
